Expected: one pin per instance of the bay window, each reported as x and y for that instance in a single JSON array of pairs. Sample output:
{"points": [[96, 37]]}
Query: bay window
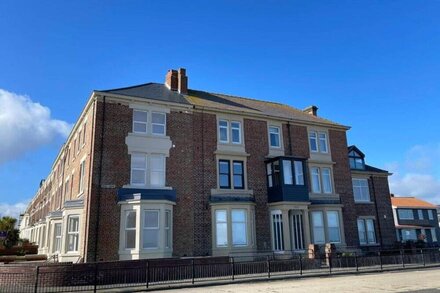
{"points": [[326, 227], [334, 235], [318, 227], [292, 172], [130, 229], [168, 229], [221, 223], [239, 223]]}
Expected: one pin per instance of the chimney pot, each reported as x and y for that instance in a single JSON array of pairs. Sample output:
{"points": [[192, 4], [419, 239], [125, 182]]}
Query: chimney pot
{"points": [[312, 110]]}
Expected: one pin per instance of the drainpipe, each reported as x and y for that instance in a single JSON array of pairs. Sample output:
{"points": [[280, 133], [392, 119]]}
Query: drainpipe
{"points": [[377, 211], [98, 193], [290, 138]]}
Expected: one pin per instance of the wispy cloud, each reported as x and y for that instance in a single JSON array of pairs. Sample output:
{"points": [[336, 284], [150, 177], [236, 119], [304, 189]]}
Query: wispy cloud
{"points": [[13, 210], [25, 125], [419, 173]]}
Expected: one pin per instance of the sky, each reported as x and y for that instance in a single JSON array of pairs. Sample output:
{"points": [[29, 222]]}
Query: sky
{"points": [[372, 65]]}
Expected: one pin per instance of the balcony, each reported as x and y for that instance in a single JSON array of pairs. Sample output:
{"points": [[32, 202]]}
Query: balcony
{"points": [[287, 180]]}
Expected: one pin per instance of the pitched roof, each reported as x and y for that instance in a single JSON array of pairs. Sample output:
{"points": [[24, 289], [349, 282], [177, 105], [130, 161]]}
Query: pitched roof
{"points": [[251, 106], [153, 91], [355, 148], [410, 202], [197, 98]]}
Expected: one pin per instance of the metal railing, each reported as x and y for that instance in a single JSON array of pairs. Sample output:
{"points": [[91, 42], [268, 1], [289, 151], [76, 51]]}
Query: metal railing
{"points": [[154, 274]]}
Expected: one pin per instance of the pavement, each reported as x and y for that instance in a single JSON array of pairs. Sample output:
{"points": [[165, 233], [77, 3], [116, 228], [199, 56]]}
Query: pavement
{"points": [[420, 281]]}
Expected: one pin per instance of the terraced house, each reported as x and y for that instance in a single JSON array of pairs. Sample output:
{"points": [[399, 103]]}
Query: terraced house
{"points": [[160, 170]]}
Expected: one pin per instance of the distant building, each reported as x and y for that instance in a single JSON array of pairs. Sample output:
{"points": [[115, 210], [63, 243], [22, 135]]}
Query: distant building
{"points": [[415, 219]]}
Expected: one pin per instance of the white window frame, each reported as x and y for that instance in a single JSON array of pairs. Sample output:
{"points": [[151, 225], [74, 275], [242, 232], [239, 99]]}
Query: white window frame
{"points": [[338, 226], [217, 223], [57, 237], [151, 228], [245, 223], [330, 181], [138, 169], [313, 135], [130, 229], [325, 142], [153, 169], [362, 185], [316, 174], [140, 122], [72, 234], [320, 176], [223, 127], [82, 171], [159, 124], [320, 227], [277, 133], [235, 128]]}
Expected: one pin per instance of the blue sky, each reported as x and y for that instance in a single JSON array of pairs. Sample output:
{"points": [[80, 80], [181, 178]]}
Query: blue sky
{"points": [[373, 65]]}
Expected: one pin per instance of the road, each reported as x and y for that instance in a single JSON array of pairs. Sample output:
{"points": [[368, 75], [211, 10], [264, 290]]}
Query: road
{"points": [[427, 280]]}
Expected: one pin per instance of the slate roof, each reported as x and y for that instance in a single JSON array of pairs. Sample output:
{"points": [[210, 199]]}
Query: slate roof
{"points": [[410, 202], [197, 98], [153, 91]]}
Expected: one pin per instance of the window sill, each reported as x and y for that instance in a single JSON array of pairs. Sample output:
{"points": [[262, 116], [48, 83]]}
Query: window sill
{"points": [[321, 196], [244, 192], [148, 135], [363, 202]]}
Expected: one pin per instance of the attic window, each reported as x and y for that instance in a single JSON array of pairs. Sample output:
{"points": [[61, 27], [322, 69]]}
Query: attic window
{"points": [[356, 160]]}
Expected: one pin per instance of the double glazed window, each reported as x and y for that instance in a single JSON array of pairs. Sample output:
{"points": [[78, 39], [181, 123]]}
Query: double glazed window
{"points": [[141, 122], [229, 131], [360, 190], [321, 180], [293, 172], [130, 229], [57, 238], [405, 214], [318, 142], [231, 178], [238, 226], [72, 233], [150, 231], [144, 174], [356, 160], [274, 137], [366, 231], [331, 224]]}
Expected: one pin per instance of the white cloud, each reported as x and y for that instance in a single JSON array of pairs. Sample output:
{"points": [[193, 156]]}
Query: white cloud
{"points": [[13, 210], [25, 125], [419, 174]]}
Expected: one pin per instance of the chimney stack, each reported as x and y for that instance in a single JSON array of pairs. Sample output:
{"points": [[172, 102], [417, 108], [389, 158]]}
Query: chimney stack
{"points": [[171, 80], [176, 80], [311, 110], [182, 81]]}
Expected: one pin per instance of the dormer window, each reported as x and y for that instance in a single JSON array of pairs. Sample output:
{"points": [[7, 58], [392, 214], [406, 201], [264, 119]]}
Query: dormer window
{"points": [[356, 160]]}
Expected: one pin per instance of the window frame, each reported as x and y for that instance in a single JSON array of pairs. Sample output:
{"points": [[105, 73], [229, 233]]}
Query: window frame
{"points": [[155, 228], [225, 223], [315, 227], [420, 214], [130, 229], [57, 238], [235, 128], [145, 158], [73, 234], [430, 215], [224, 127], [361, 187], [151, 170], [244, 223], [400, 212], [159, 124], [167, 229], [338, 221], [232, 184], [228, 174], [278, 134], [363, 222], [325, 142], [277, 230], [82, 171], [140, 122]]}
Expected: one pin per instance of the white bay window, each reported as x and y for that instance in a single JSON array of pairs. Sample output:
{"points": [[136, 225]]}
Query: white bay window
{"points": [[130, 229]]}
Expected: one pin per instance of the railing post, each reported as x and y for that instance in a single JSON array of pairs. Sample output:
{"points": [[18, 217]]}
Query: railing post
{"points": [[423, 257], [193, 271], [268, 266], [356, 262], [330, 263], [95, 277], [380, 261], [37, 271], [147, 273], [232, 268], [300, 265], [401, 256]]}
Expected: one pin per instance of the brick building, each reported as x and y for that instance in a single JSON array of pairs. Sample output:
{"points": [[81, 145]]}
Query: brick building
{"points": [[160, 170]]}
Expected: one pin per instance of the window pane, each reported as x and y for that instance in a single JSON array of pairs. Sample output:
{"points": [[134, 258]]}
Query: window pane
{"points": [[316, 184], [158, 118], [318, 227], [323, 142], [274, 135], [287, 170], [224, 181], [139, 127], [223, 123], [312, 141], [131, 219], [223, 131], [371, 235], [238, 181], [158, 129], [221, 228], [238, 215], [430, 215], [326, 180], [269, 174], [420, 214], [361, 232], [138, 161], [140, 116], [224, 167], [239, 233], [130, 239], [151, 238], [151, 219], [138, 177], [238, 167], [333, 226], [235, 128], [299, 175]]}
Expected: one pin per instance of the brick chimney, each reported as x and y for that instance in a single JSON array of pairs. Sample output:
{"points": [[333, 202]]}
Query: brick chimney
{"points": [[171, 80], [182, 81], [311, 110]]}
